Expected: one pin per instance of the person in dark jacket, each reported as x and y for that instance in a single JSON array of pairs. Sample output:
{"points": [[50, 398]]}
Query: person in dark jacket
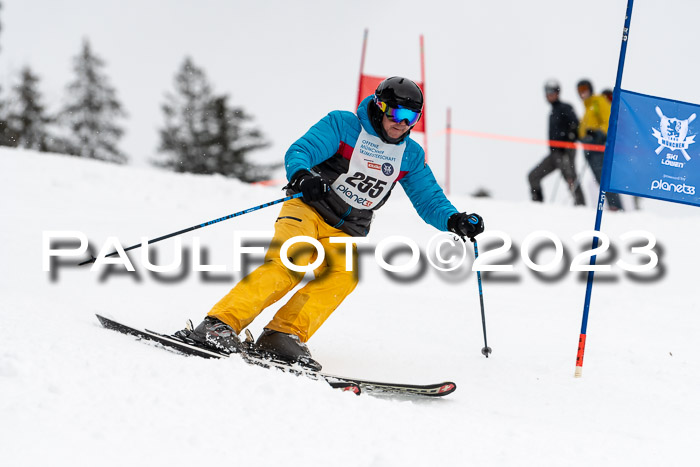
{"points": [[563, 126], [345, 167]]}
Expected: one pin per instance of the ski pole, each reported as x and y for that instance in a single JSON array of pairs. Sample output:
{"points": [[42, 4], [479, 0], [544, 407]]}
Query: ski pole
{"points": [[486, 350], [199, 226]]}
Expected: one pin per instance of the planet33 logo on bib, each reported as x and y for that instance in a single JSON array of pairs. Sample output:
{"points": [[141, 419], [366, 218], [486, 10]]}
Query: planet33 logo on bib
{"points": [[363, 184]]}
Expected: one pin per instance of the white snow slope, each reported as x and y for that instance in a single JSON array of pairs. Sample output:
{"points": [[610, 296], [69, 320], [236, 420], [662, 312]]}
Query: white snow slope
{"points": [[73, 393]]}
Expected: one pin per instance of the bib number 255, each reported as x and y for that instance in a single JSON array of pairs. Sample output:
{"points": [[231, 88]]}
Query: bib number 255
{"points": [[366, 184]]}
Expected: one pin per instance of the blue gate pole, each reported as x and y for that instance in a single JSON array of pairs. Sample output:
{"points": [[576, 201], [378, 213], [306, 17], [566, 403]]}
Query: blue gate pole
{"points": [[604, 184]]}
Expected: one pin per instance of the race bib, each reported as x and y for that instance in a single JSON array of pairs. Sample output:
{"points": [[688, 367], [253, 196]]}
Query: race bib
{"points": [[373, 168]]}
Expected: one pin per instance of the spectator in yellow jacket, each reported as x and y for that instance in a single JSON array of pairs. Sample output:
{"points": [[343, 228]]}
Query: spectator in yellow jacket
{"points": [[593, 129]]}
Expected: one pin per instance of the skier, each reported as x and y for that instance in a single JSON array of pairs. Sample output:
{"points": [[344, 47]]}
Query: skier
{"points": [[594, 130], [345, 166], [563, 125]]}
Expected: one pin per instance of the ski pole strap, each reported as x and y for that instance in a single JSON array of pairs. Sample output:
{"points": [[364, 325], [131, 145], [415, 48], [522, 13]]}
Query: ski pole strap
{"points": [[199, 226]]}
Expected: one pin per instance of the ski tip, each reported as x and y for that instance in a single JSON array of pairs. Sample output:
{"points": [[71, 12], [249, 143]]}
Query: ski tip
{"points": [[446, 388], [108, 323]]}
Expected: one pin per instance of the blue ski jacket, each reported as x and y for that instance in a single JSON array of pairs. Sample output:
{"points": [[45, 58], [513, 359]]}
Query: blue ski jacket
{"points": [[327, 149]]}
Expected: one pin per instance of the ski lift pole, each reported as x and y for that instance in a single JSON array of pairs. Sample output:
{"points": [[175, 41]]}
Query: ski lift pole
{"points": [[199, 226]]}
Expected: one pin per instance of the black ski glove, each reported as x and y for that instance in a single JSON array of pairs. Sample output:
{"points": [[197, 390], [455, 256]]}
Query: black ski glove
{"points": [[312, 187], [465, 225]]}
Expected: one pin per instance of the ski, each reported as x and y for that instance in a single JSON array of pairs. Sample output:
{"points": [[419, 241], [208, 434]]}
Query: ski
{"points": [[185, 348], [354, 385]]}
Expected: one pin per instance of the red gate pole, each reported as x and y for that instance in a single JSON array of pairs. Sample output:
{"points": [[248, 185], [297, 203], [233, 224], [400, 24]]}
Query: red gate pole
{"points": [[422, 78], [448, 150], [362, 68]]}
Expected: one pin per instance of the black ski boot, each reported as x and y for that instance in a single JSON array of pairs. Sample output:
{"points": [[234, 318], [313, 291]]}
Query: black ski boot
{"points": [[215, 334], [287, 348]]}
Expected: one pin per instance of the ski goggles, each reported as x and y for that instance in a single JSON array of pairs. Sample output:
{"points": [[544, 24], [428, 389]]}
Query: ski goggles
{"points": [[400, 114]]}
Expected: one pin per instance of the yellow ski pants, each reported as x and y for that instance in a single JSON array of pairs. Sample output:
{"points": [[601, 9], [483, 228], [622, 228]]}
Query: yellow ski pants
{"points": [[311, 305]]}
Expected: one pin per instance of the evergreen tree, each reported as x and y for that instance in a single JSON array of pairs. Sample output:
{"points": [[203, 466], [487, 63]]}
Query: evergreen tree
{"points": [[7, 135], [92, 110], [27, 119], [203, 134], [7, 138], [232, 140], [184, 138]]}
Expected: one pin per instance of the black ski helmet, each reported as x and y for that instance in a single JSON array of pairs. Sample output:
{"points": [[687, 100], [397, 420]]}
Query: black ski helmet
{"points": [[552, 86], [397, 91]]}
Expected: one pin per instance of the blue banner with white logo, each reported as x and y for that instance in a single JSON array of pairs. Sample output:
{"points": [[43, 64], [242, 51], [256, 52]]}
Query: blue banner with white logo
{"points": [[656, 154]]}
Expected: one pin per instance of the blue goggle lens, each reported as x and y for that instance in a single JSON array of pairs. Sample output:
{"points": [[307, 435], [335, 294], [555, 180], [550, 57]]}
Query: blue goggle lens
{"points": [[399, 114]]}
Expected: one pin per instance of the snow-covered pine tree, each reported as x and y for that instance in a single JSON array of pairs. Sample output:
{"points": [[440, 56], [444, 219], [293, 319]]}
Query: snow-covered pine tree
{"points": [[27, 116], [203, 134], [184, 138], [7, 134], [92, 110], [232, 140]]}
